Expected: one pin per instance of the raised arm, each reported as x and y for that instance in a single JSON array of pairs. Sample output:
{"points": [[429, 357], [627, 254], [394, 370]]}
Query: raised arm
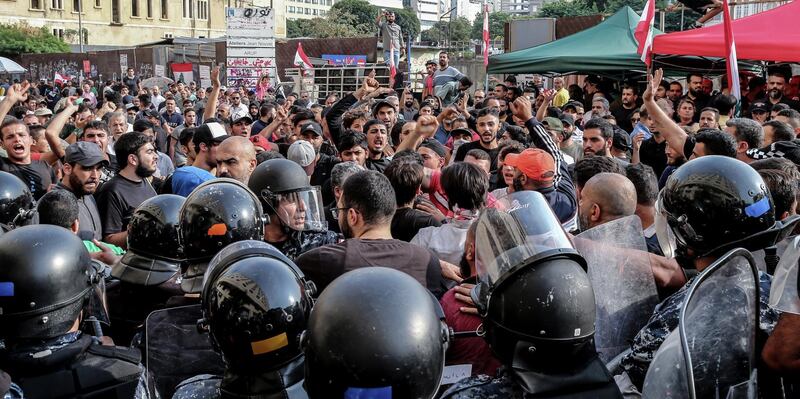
{"points": [[213, 98], [674, 134], [521, 107], [54, 129], [15, 93]]}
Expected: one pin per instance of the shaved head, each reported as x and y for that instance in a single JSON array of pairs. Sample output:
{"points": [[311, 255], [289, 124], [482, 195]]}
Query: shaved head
{"points": [[606, 197], [236, 158]]}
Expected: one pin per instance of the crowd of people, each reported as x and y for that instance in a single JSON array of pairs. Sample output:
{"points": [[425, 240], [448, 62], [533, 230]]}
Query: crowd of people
{"points": [[330, 247]]}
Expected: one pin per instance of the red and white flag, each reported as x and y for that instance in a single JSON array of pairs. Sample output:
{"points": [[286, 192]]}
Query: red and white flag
{"points": [[485, 34], [301, 59], [61, 79], [392, 67], [644, 32], [730, 45]]}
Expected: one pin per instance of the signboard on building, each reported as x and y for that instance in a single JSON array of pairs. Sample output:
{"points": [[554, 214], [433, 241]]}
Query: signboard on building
{"points": [[342, 59], [250, 45]]}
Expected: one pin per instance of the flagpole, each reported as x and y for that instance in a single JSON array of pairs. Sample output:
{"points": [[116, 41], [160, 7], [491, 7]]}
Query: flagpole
{"points": [[486, 48]]}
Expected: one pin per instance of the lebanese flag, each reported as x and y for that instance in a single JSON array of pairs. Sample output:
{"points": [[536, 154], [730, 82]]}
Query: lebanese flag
{"points": [[730, 44], [392, 67], [644, 32], [61, 79], [485, 34], [182, 72], [301, 59]]}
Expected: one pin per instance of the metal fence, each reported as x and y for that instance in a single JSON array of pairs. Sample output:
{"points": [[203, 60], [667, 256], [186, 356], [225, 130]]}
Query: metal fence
{"points": [[333, 79]]}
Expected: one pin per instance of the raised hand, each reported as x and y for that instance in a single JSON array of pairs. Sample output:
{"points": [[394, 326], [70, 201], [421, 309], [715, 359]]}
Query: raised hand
{"points": [[426, 126], [521, 108]]}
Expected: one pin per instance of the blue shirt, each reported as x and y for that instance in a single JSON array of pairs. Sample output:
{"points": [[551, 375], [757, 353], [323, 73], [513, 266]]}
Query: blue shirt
{"points": [[187, 178]]}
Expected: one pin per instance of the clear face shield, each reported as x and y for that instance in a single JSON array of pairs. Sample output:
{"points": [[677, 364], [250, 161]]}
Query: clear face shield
{"points": [[520, 227], [666, 237], [301, 210]]}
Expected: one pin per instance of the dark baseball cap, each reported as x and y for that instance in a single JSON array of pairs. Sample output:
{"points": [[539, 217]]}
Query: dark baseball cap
{"points": [[85, 153], [210, 133], [311, 127], [567, 119], [434, 146], [759, 106], [620, 142], [461, 131], [152, 113], [380, 104], [553, 123]]}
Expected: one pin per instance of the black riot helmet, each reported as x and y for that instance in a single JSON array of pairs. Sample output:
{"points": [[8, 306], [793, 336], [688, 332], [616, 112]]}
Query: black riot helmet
{"points": [[217, 213], [46, 278], [363, 342], [154, 252], [256, 303], [534, 295], [16, 201], [712, 204], [285, 191]]}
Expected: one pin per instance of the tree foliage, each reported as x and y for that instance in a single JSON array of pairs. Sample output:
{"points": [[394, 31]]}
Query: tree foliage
{"points": [[21, 38], [570, 8], [408, 21], [497, 23], [362, 12], [350, 18], [459, 31]]}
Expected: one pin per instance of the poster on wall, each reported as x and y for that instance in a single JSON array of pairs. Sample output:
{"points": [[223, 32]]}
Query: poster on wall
{"points": [[250, 45]]}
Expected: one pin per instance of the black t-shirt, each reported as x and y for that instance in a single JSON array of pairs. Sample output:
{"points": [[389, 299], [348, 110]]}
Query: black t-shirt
{"points": [[322, 170], [791, 103], [408, 221], [117, 199], [37, 175], [688, 147], [653, 155], [623, 117], [378, 164], [476, 145], [324, 264]]}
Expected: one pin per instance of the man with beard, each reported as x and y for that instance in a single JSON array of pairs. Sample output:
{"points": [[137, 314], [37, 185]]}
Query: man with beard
{"points": [[118, 198], [236, 159], [409, 109], [694, 82], [377, 139], [652, 151], [604, 198], [83, 165], [445, 73], [365, 210], [206, 140], [487, 125], [385, 112], [598, 137], [17, 142], [776, 84], [709, 118], [623, 110]]}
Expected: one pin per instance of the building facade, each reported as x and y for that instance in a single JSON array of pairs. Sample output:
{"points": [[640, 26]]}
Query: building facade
{"points": [[306, 9], [129, 22]]}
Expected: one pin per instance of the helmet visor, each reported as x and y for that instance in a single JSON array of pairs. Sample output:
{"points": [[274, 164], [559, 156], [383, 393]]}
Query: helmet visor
{"points": [[666, 238], [521, 226], [301, 210]]}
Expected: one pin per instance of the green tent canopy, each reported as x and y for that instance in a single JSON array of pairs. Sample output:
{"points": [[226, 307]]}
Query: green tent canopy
{"points": [[608, 48]]}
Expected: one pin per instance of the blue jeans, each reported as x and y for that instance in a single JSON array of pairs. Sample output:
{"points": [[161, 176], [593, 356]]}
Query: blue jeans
{"points": [[396, 60]]}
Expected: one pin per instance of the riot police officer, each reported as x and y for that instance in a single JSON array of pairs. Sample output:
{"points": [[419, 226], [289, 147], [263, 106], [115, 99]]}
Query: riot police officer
{"points": [[296, 212], [375, 332], [16, 202], [710, 205], [46, 281], [147, 273], [217, 213], [256, 303], [537, 306]]}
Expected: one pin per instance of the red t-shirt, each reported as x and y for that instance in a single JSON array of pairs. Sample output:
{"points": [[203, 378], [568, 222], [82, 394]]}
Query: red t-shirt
{"points": [[436, 193], [473, 351]]}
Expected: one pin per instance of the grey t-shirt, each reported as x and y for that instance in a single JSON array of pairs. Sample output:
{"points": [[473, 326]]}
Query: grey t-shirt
{"points": [[449, 74], [391, 35]]}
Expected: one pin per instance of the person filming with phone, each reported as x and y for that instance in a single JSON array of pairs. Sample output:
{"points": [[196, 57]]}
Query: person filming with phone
{"points": [[392, 38]]}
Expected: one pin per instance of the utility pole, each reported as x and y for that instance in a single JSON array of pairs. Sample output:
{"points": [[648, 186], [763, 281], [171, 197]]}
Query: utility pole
{"points": [[80, 34]]}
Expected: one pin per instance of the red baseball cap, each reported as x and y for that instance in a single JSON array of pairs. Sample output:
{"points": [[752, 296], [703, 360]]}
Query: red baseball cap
{"points": [[535, 163]]}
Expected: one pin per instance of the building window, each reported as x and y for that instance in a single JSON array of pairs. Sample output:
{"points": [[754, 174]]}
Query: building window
{"points": [[116, 14], [202, 9], [134, 8], [76, 5], [36, 4], [58, 32], [164, 9], [98, 3], [308, 11], [291, 9], [57, 4], [149, 8], [188, 8]]}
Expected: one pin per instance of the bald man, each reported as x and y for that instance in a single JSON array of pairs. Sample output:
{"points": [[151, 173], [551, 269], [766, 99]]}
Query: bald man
{"points": [[236, 158], [606, 197]]}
